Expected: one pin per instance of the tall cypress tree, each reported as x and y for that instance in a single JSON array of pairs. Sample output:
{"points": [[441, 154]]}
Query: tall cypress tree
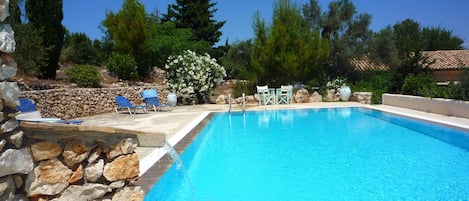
{"points": [[196, 15], [47, 15]]}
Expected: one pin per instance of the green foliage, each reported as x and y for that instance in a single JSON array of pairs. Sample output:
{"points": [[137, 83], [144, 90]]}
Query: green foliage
{"points": [[79, 49], [420, 85], [237, 60], [191, 75], [400, 48], [47, 15], [29, 53], [84, 75], [243, 86], [288, 50], [407, 38], [460, 90], [383, 49], [377, 82], [123, 66], [196, 16], [169, 40], [129, 31], [438, 38], [346, 31]]}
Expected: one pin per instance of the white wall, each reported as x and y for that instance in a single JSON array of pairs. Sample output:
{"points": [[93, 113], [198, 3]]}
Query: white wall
{"points": [[448, 107]]}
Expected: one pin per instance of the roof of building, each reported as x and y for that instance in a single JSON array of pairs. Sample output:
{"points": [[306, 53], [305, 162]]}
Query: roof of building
{"points": [[442, 60], [448, 59], [364, 63]]}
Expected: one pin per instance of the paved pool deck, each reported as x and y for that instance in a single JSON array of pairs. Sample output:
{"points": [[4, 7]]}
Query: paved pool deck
{"points": [[178, 122]]}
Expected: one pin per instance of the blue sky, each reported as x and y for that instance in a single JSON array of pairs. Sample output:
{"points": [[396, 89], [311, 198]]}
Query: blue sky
{"points": [[85, 16]]}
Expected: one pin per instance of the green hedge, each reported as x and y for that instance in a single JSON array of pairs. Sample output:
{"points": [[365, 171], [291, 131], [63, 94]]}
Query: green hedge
{"points": [[84, 76]]}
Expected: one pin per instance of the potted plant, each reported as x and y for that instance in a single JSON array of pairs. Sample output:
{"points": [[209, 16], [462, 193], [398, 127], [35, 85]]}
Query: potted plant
{"points": [[339, 84]]}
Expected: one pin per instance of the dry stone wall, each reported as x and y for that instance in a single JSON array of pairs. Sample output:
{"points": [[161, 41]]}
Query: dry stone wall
{"points": [[68, 103], [66, 164]]}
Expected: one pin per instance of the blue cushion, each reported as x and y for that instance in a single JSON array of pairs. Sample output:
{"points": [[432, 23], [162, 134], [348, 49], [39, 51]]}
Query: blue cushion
{"points": [[26, 105]]}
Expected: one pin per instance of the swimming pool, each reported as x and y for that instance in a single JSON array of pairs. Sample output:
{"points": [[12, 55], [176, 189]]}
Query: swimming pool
{"points": [[320, 154]]}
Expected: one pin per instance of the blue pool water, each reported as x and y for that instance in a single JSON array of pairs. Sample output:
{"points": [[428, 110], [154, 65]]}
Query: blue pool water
{"points": [[320, 154]]}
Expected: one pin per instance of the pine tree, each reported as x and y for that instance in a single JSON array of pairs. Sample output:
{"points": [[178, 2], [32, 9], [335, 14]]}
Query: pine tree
{"points": [[47, 15], [129, 31], [288, 50], [196, 15]]}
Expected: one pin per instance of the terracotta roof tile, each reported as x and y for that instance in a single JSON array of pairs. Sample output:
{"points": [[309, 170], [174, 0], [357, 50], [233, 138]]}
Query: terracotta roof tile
{"points": [[448, 59], [362, 64], [443, 60]]}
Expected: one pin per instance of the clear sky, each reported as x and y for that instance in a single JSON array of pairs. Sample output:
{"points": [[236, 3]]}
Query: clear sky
{"points": [[85, 16]]}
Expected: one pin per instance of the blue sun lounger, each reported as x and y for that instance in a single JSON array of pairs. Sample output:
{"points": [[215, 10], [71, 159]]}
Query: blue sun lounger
{"points": [[150, 97], [124, 103]]}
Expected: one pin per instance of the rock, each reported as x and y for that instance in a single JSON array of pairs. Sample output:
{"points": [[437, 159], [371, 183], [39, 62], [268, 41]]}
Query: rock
{"points": [[45, 150], [9, 93], [14, 161], [4, 10], [9, 126], [125, 146], [8, 68], [332, 95], [123, 167], [221, 99], [362, 97], [84, 193], [7, 39], [77, 175], [302, 96], [251, 100], [7, 187], [239, 100], [315, 97], [3, 142], [18, 181], [16, 138], [75, 152], [129, 194], [95, 154], [94, 171], [117, 184], [50, 177]]}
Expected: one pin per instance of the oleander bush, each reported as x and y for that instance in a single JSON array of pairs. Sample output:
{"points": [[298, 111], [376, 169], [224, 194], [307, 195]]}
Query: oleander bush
{"points": [[193, 76]]}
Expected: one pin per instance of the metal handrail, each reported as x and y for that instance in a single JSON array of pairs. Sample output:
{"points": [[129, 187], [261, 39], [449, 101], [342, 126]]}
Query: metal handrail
{"points": [[229, 103]]}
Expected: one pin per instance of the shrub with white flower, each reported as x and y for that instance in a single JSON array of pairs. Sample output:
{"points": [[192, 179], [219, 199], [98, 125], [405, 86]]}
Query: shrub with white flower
{"points": [[191, 75], [336, 84]]}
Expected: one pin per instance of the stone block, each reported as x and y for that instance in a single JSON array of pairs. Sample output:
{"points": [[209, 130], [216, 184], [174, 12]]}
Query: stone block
{"points": [[94, 171], [9, 93], [7, 39], [8, 68], [123, 167], [75, 152], [48, 178], [14, 161], [45, 150], [85, 192]]}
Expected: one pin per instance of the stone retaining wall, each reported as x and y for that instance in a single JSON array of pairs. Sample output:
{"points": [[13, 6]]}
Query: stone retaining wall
{"points": [[68, 162], [71, 103]]}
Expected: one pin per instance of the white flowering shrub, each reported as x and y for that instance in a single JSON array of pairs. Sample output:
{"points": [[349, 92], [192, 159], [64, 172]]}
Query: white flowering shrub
{"points": [[191, 75], [336, 84]]}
